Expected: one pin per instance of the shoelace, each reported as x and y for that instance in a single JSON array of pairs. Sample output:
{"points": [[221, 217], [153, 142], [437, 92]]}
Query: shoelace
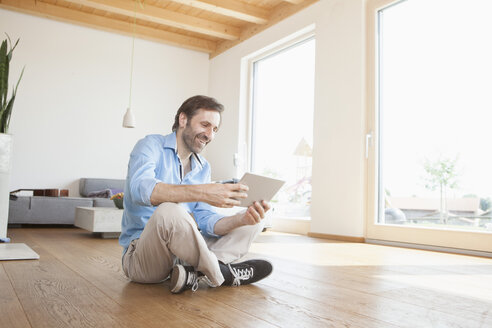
{"points": [[193, 281], [240, 274], [207, 281]]}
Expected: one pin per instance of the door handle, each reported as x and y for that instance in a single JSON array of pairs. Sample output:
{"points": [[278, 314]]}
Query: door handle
{"points": [[368, 143]]}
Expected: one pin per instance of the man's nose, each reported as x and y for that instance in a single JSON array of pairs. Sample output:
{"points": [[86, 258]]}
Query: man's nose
{"points": [[209, 134]]}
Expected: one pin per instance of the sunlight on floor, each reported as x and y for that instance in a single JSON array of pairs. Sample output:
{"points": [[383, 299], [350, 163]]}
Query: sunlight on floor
{"points": [[326, 252], [460, 275], [464, 285]]}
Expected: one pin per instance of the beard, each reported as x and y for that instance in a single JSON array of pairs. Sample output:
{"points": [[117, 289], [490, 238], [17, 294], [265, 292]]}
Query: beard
{"points": [[195, 142]]}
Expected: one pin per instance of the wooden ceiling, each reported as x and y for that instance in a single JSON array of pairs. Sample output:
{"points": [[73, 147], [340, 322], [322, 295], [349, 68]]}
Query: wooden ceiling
{"points": [[211, 26]]}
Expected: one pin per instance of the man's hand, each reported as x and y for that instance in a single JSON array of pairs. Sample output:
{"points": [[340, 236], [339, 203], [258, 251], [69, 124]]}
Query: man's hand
{"points": [[255, 213], [224, 195]]}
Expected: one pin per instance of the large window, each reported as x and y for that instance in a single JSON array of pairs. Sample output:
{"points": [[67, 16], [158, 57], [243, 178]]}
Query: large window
{"points": [[282, 124]]}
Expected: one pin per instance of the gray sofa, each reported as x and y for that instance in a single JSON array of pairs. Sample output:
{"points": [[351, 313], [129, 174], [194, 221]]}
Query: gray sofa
{"points": [[61, 210]]}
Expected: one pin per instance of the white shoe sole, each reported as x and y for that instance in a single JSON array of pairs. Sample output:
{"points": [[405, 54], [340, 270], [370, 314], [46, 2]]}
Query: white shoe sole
{"points": [[178, 277]]}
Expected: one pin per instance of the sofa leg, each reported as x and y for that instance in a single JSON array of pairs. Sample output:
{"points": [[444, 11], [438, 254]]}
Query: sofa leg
{"points": [[108, 235]]}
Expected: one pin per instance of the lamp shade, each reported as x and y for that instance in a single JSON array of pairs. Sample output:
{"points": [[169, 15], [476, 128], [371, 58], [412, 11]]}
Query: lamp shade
{"points": [[129, 119], [303, 149]]}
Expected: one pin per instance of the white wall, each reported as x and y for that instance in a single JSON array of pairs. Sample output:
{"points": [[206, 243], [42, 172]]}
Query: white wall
{"points": [[339, 119], [69, 109], [67, 117]]}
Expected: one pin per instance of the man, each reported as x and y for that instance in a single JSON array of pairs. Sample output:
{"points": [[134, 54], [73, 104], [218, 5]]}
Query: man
{"points": [[167, 180]]}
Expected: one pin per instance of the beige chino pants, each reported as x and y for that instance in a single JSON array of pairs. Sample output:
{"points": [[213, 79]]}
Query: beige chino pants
{"points": [[171, 234]]}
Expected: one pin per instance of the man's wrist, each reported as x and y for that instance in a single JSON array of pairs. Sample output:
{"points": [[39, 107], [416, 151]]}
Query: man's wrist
{"points": [[239, 219], [201, 193]]}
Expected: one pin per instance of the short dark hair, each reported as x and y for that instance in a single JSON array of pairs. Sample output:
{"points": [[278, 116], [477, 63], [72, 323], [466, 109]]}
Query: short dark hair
{"points": [[193, 104]]}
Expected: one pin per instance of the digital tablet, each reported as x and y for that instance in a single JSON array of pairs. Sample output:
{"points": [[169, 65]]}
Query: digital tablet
{"points": [[260, 188]]}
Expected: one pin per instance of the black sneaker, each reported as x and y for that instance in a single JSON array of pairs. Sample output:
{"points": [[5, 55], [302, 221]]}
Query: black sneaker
{"points": [[183, 278], [245, 273]]}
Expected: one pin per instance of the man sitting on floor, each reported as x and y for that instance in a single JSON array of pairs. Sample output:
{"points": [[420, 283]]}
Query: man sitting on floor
{"points": [[167, 180]]}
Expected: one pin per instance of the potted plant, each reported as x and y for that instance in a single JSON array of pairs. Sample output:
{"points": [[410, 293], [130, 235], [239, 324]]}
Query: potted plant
{"points": [[6, 106]]}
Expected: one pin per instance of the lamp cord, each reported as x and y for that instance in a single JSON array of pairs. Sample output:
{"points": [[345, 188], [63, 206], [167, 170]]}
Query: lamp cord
{"points": [[133, 49]]}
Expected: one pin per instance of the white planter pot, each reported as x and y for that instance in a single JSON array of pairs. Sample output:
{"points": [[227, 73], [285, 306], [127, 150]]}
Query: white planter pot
{"points": [[9, 251], [5, 167]]}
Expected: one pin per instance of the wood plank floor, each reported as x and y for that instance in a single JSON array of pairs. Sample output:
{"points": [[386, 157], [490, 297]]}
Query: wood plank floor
{"points": [[78, 282]]}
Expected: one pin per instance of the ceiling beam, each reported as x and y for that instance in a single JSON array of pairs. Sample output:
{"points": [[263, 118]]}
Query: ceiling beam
{"points": [[163, 16], [43, 9], [231, 8], [295, 2], [279, 13]]}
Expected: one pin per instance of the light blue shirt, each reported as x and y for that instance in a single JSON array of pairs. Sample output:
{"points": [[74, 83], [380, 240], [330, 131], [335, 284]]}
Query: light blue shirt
{"points": [[155, 159]]}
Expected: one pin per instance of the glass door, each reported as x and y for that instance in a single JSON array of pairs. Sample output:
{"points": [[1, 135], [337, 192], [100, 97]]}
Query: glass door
{"points": [[430, 105]]}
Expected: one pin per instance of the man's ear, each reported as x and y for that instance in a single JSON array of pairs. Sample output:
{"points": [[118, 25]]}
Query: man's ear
{"points": [[182, 120]]}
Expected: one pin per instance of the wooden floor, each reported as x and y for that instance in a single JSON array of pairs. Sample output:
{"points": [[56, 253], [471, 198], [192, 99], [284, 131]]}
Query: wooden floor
{"points": [[78, 282]]}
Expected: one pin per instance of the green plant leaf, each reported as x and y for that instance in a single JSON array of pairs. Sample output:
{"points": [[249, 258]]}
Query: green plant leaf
{"points": [[4, 74], [5, 119], [6, 106], [6, 114], [20, 77], [9, 55]]}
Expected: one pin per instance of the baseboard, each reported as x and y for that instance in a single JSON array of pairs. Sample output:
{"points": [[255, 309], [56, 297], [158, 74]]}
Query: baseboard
{"points": [[430, 248], [337, 237]]}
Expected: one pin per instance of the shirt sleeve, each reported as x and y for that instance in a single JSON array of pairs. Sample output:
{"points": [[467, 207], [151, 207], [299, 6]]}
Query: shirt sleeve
{"points": [[204, 214], [141, 171], [206, 218]]}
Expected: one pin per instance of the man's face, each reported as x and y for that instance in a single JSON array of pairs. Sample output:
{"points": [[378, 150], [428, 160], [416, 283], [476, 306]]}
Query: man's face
{"points": [[200, 129]]}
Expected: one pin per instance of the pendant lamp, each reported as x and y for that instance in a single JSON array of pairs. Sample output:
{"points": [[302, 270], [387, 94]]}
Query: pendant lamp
{"points": [[129, 119]]}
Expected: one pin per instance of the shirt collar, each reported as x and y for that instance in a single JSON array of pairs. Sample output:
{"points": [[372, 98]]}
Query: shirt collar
{"points": [[170, 142], [198, 159]]}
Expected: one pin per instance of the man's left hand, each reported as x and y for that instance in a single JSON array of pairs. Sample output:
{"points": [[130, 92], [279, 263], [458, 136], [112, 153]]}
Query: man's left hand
{"points": [[255, 213]]}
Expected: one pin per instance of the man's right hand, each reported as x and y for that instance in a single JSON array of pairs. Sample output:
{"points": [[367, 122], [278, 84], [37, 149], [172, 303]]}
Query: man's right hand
{"points": [[224, 195]]}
